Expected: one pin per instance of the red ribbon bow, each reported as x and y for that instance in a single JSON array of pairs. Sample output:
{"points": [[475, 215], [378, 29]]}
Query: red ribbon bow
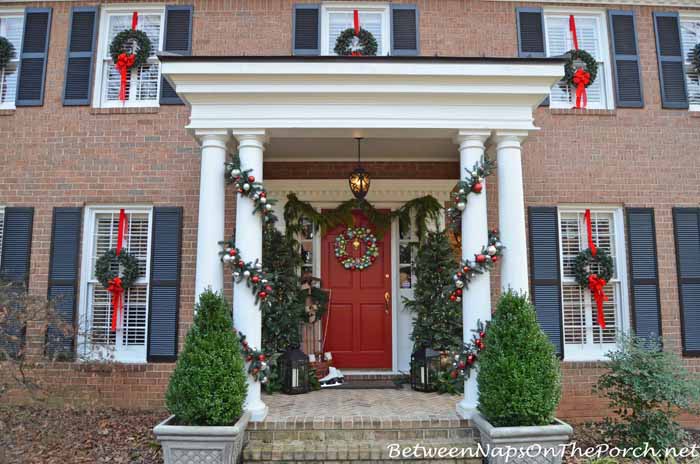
{"points": [[123, 64], [356, 24], [595, 285], [116, 290], [581, 79]]}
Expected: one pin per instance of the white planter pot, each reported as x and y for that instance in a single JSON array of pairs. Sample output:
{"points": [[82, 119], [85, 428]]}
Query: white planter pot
{"points": [[183, 444], [523, 444]]}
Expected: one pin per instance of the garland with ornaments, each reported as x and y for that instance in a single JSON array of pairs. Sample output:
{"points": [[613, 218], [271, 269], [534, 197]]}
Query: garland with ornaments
{"points": [[355, 41], [258, 367], [465, 360], [247, 186], [129, 49], [256, 279], [473, 183], [357, 236], [593, 269], [695, 58], [482, 263], [7, 52], [581, 68]]}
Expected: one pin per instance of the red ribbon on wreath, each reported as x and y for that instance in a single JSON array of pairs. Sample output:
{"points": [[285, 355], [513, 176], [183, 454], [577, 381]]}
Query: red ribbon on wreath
{"points": [[581, 77], [595, 284], [124, 63], [356, 40], [115, 287]]}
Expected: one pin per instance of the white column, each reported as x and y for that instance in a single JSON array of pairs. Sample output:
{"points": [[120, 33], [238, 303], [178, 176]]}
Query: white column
{"points": [[210, 226], [511, 211], [247, 317], [476, 300]]}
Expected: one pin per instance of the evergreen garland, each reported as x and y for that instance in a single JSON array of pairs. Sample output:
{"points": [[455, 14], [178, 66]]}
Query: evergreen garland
{"points": [[472, 183], [366, 44]]}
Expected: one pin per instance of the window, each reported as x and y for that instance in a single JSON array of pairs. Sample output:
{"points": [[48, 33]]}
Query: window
{"points": [[12, 28], [128, 343], [583, 337], [143, 83], [592, 37], [407, 256], [690, 36], [306, 242], [337, 18]]}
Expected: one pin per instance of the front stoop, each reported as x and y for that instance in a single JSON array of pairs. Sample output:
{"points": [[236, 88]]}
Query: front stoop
{"points": [[356, 439]]}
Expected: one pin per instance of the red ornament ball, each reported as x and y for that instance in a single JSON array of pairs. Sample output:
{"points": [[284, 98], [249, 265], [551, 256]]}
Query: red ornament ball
{"points": [[477, 187], [494, 258], [458, 291], [453, 297], [480, 259], [262, 295], [232, 252], [261, 357], [255, 279], [251, 179], [453, 374], [471, 359]]}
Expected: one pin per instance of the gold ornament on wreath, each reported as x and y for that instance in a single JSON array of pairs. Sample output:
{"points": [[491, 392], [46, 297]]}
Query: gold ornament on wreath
{"points": [[356, 237]]}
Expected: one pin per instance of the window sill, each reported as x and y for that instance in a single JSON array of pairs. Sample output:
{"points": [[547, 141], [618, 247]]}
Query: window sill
{"points": [[600, 364], [126, 110], [7, 112], [586, 112]]}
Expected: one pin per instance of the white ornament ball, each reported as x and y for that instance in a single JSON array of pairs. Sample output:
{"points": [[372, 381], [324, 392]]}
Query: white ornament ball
{"points": [[461, 205], [458, 299], [264, 281], [246, 187], [258, 265], [461, 191], [246, 273], [263, 200], [268, 207], [236, 275], [236, 172], [227, 258], [459, 284], [491, 250]]}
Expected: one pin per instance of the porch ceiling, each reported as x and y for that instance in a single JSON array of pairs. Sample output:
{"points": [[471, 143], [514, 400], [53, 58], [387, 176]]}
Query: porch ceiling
{"points": [[390, 97]]}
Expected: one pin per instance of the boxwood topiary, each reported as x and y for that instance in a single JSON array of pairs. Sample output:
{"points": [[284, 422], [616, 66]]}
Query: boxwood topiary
{"points": [[519, 377], [208, 386]]}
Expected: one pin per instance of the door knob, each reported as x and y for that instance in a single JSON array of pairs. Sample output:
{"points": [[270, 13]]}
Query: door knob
{"points": [[387, 299]]}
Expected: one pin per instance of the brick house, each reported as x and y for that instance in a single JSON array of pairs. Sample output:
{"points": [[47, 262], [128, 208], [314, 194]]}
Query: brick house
{"points": [[456, 79]]}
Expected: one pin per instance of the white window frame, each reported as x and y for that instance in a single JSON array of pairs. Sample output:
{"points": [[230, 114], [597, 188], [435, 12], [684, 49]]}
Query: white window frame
{"points": [[103, 50], [592, 351], [603, 39], [4, 14], [327, 8], [688, 16], [134, 356]]}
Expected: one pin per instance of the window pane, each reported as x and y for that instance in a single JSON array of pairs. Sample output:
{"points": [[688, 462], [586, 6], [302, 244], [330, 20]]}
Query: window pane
{"points": [[690, 35], [135, 238], [8, 84], [100, 333], [570, 245], [113, 83], [148, 78], [150, 24], [134, 322], [339, 21], [610, 311], [11, 28], [574, 314]]}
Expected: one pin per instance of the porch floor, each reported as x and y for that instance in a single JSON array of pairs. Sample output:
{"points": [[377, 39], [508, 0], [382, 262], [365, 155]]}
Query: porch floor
{"points": [[339, 405]]}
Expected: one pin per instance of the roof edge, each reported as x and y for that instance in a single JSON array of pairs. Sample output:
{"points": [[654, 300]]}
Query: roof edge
{"points": [[170, 57]]}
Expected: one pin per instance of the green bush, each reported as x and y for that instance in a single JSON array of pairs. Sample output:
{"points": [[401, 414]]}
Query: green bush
{"points": [[519, 378], [208, 386], [646, 388]]}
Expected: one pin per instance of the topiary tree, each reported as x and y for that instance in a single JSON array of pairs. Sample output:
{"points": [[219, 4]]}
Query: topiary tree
{"points": [[208, 386], [519, 378], [438, 320]]}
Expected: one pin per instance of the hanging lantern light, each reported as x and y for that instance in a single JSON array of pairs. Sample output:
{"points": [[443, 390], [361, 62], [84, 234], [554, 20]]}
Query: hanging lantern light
{"points": [[425, 367], [294, 370], [359, 178]]}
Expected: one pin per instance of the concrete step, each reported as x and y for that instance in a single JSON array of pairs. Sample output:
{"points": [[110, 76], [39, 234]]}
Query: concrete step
{"points": [[340, 451]]}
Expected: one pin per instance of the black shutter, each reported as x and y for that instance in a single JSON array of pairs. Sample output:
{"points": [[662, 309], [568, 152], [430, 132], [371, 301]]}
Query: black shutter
{"points": [[14, 268], [306, 29], [32, 65], [17, 245], [686, 224], [628, 73], [644, 272], [164, 298], [405, 40], [77, 87], [178, 40], [670, 56], [530, 23], [63, 279], [544, 269]]}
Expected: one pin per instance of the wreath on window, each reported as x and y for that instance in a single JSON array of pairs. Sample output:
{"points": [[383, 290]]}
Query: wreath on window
{"points": [[7, 52], [130, 43], [356, 236], [695, 58], [575, 74], [587, 264], [111, 266], [348, 43]]}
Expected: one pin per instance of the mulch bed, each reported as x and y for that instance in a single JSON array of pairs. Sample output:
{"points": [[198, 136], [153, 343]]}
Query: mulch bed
{"points": [[39, 434]]}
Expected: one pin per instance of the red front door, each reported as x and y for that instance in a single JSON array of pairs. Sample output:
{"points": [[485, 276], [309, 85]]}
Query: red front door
{"points": [[359, 318]]}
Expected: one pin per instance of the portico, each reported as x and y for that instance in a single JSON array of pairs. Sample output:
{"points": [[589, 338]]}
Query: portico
{"points": [[242, 103]]}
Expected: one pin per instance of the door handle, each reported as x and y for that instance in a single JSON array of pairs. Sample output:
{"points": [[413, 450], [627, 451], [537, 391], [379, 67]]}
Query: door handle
{"points": [[387, 299]]}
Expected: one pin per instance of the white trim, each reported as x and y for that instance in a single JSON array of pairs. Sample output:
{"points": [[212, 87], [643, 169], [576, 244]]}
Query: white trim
{"points": [[103, 48], [89, 215], [382, 8], [571, 353]]}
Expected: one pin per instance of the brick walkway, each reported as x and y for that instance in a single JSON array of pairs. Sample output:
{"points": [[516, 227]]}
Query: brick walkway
{"points": [[326, 403]]}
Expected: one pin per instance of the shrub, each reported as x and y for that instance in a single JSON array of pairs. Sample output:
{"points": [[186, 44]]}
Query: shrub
{"points": [[646, 388], [519, 378], [208, 386]]}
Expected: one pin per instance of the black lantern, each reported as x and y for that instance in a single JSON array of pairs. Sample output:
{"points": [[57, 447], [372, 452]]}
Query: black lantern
{"points": [[425, 367], [359, 178], [294, 370]]}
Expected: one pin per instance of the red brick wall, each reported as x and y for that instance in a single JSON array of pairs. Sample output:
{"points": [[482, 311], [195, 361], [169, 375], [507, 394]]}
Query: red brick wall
{"points": [[73, 156]]}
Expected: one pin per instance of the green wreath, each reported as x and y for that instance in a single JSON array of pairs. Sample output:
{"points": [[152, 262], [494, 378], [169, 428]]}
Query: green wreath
{"points": [[358, 236], [127, 263], [590, 66], [7, 52], [585, 261], [124, 43], [366, 43], [695, 58]]}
